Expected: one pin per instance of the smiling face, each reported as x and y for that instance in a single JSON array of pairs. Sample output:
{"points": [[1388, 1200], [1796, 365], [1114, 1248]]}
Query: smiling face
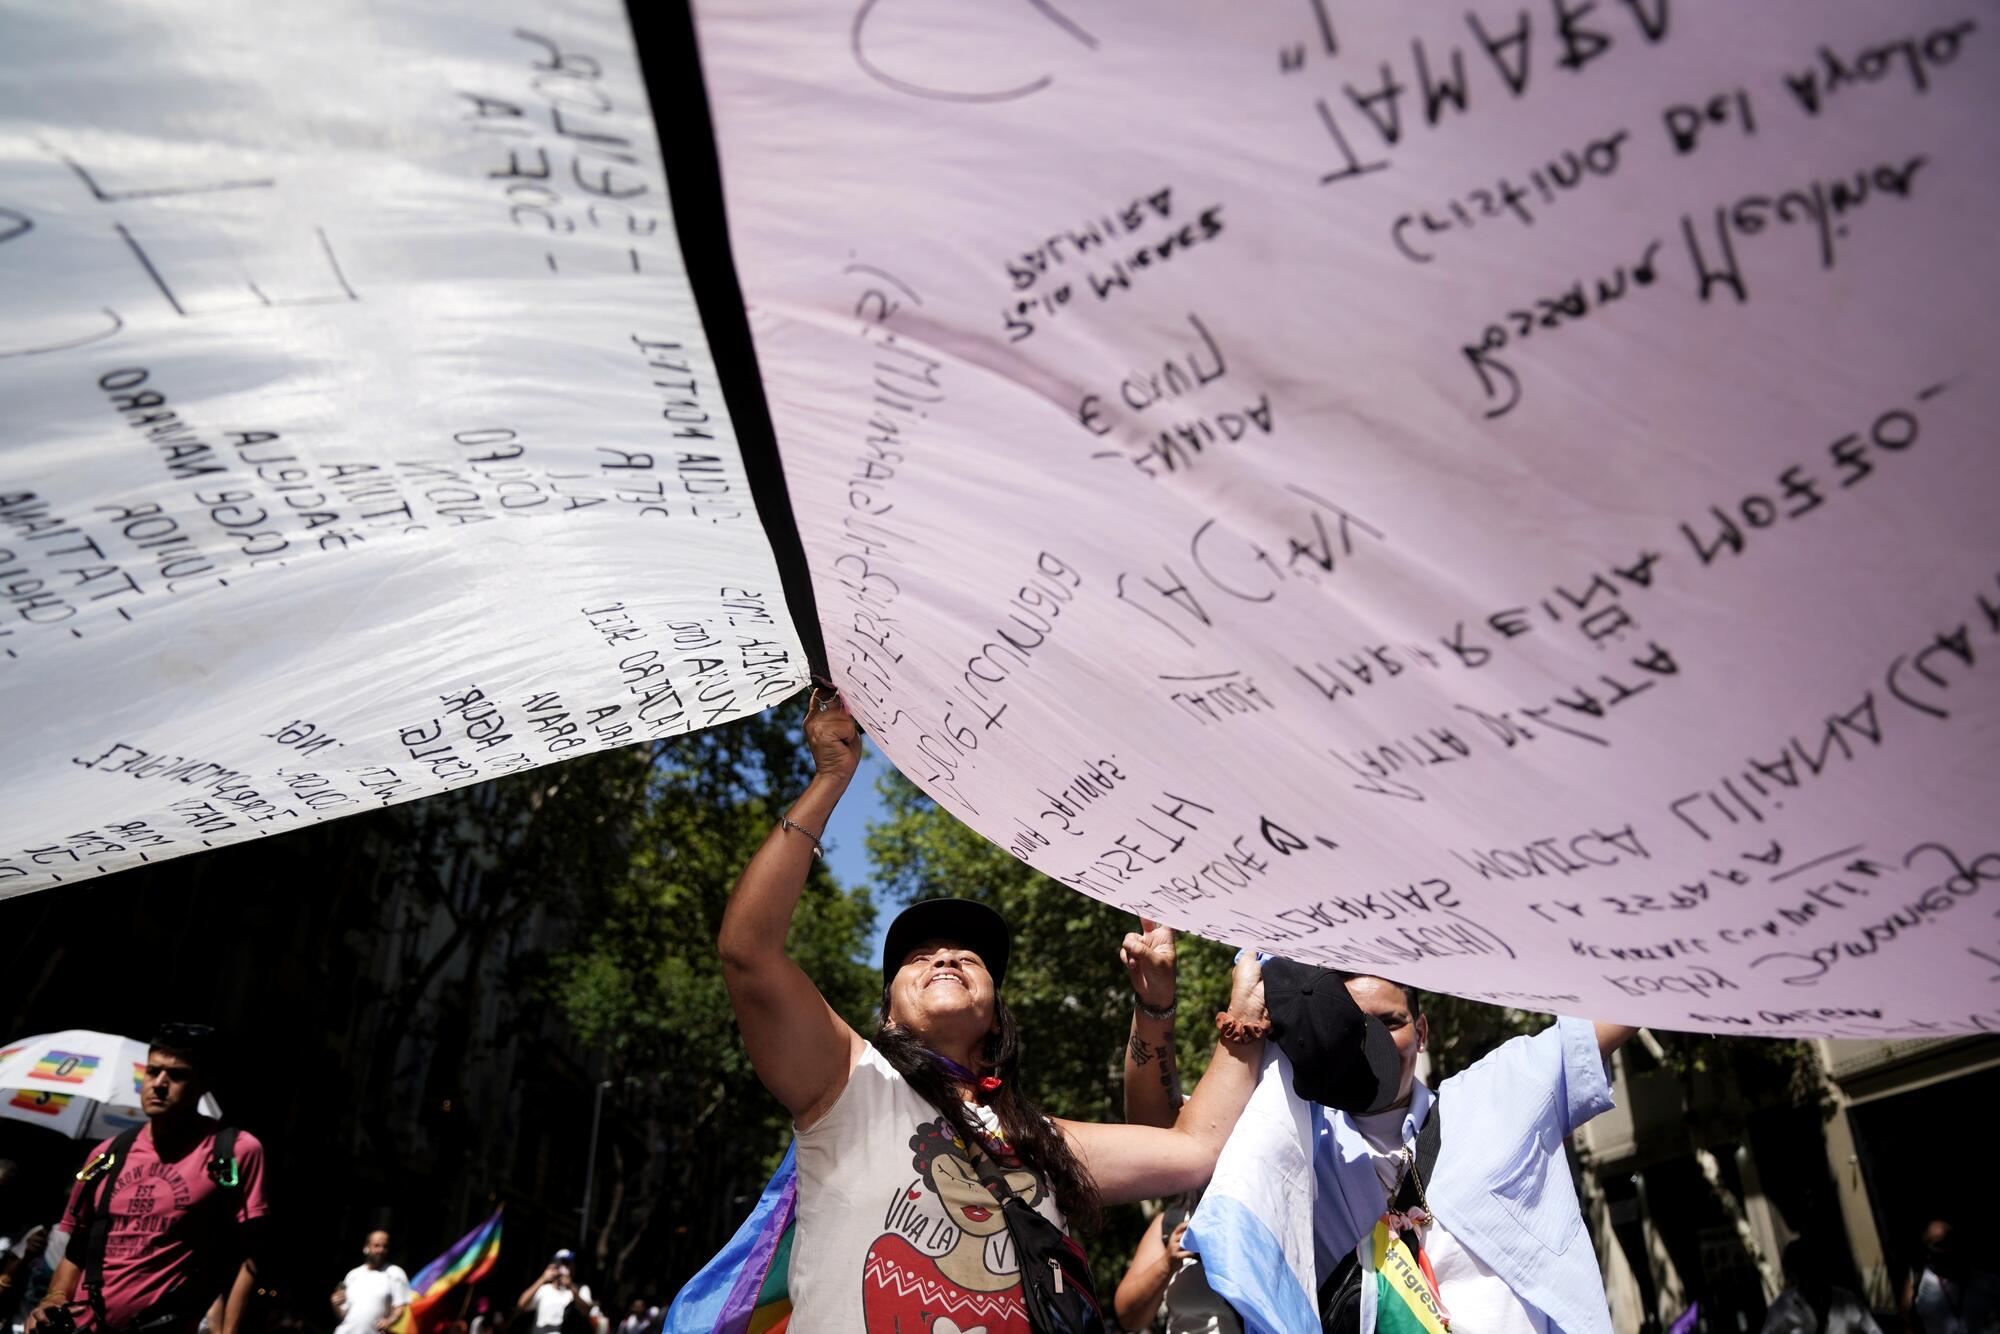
{"points": [[1391, 1004], [376, 1250], [942, 994]]}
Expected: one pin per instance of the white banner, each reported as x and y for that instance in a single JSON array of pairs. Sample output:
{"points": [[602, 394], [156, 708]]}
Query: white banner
{"points": [[1501, 497], [359, 437]]}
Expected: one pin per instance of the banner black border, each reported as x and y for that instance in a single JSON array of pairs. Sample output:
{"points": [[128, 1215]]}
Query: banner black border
{"points": [[663, 33]]}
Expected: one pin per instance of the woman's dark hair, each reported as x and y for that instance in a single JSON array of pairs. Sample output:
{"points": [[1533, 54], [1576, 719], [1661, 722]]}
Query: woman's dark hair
{"points": [[1033, 1139]]}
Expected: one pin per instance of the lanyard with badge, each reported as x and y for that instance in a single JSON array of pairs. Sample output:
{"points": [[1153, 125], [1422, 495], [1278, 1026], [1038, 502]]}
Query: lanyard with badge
{"points": [[1404, 1285]]}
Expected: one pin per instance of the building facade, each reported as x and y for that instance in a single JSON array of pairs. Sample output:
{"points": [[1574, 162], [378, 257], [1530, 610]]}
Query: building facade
{"points": [[1695, 1183]]}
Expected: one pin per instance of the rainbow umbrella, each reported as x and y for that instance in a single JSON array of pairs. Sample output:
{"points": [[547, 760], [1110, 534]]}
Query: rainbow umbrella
{"points": [[77, 1083]]}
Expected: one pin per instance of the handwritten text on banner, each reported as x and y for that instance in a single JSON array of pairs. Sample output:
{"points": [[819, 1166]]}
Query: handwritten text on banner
{"points": [[360, 438], [1500, 497]]}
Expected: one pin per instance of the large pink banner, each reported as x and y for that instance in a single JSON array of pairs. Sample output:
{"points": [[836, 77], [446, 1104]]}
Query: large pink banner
{"points": [[1501, 497]]}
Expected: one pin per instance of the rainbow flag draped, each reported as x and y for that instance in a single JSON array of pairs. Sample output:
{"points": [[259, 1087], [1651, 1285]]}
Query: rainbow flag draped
{"points": [[470, 1259], [746, 1288], [1395, 1298]]}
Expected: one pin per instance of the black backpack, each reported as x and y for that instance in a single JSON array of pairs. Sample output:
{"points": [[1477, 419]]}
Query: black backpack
{"points": [[1340, 1294], [1055, 1273], [575, 1320], [92, 1231]]}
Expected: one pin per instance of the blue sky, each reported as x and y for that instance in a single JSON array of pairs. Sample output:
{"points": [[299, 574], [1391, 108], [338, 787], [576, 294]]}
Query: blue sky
{"points": [[846, 837]]}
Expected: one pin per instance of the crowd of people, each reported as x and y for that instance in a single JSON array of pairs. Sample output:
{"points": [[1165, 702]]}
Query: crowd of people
{"points": [[165, 1231], [933, 1194]]}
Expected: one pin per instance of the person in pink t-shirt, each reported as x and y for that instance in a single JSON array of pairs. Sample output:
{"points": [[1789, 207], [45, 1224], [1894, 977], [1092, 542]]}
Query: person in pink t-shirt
{"points": [[179, 1215]]}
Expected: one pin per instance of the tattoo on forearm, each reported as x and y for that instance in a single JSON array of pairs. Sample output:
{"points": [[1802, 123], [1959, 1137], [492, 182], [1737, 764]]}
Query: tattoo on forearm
{"points": [[1143, 1051]]}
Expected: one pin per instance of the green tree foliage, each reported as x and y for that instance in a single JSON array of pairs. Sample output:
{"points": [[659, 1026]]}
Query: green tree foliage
{"points": [[379, 980], [644, 987]]}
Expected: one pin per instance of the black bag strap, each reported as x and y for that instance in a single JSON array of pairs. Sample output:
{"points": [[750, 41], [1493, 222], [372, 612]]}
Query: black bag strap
{"points": [[1068, 1265], [222, 1167], [93, 1221], [1429, 1138], [995, 1180], [1339, 1293]]}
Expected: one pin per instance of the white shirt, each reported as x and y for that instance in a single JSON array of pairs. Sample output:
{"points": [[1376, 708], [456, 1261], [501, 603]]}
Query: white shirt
{"points": [[1478, 1299], [372, 1294], [551, 1301], [893, 1222]]}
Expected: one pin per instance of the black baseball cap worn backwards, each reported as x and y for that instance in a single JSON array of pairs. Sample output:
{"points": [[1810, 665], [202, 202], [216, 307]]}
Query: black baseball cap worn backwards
{"points": [[1340, 1056], [961, 921]]}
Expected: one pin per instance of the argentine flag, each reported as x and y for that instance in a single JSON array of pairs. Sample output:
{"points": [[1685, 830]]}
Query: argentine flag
{"points": [[1254, 1226]]}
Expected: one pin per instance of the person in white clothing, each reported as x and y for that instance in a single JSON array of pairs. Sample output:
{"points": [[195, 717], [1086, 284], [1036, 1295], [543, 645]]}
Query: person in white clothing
{"points": [[552, 1295], [1954, 1290], [372, 1296]]}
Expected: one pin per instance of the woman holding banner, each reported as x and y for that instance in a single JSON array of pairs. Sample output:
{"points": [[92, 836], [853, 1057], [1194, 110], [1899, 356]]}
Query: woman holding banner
{"points": [[909, 1141]]}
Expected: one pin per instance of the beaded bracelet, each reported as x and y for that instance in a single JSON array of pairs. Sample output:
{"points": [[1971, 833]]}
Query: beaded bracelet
{"points": [[786, 822], [1233, 1029], [1152, 1012]]}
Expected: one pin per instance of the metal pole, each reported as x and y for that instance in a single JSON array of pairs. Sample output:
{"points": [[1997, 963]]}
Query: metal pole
{"points": [[590, 1169]]}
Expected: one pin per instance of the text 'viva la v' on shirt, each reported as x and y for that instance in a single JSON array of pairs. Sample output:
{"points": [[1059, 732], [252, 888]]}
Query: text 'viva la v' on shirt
{"points": [[896, 1232]]}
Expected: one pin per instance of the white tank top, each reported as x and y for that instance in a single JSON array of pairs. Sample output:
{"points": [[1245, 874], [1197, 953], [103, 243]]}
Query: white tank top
{"points": [[895, 1231]]}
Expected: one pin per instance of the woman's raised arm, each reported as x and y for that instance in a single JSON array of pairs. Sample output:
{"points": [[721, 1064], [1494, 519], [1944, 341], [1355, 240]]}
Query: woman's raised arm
{"points": [[1140, 1162], [1152, 1085], [799, 1047]]}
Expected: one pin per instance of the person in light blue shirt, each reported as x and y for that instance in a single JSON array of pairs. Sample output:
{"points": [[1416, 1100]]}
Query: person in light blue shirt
{"points": [[1508, 1242], [1505, 1237]]}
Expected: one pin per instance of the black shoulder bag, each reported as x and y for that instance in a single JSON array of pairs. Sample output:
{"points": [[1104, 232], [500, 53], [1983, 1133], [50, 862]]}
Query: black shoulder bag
{"points": [[1055, 1274], [1340, 1294]]}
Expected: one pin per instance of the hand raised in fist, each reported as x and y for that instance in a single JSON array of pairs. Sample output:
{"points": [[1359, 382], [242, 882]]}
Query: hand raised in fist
{"points": [[1148, 954], [831, 735]]}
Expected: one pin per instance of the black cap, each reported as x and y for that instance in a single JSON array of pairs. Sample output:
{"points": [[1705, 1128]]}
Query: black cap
{"points": [[1340, 1056], [961, 921]]}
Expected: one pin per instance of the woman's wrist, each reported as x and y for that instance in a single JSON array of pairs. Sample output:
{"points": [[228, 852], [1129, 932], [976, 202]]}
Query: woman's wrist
{"points": [[813, 807], [831, 782], [1161, 1013]]}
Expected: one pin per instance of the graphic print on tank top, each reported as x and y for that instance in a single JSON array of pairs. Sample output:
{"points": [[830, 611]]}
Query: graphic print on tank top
{"points": [[944, 1262]]}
